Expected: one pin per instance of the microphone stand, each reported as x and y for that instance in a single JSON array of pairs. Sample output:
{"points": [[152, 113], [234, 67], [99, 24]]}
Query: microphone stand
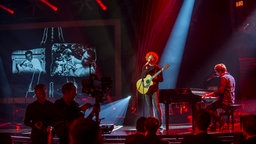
{"points": [[143, 95]]}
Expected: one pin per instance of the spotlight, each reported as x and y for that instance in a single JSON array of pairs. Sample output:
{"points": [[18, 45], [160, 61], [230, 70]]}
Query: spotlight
{"points": [[17, 127], [116, 109], [103, 7], [7, 9], [49, 5], [239, 3]]}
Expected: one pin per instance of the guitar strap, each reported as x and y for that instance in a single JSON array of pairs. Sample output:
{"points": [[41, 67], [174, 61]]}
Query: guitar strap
{"points": [[146, 71], [150, 68]]}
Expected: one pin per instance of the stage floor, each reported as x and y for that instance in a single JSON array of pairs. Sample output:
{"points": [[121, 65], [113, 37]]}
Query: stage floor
{"points": [[175, 133]]}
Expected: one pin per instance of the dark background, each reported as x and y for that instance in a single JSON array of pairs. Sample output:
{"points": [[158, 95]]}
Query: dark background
{"points": [[219, 32]]}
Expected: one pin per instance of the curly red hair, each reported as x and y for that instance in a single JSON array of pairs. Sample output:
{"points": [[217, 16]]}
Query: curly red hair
{"points": [[153, 54]]}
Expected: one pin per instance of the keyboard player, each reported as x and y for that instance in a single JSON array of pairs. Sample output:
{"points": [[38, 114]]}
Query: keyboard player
{"points": [[225, 92]]}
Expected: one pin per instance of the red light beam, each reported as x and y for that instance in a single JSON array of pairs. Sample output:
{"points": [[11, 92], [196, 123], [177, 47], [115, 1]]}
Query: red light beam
{"points": [[7, 9], [103, 7], [50, 5]]}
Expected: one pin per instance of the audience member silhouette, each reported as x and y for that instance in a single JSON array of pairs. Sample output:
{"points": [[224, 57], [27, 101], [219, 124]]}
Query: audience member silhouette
{"points": [[202, 122], [5, 138], [152, 125], [139, 136], [38, 115], [249, 129], [66, 109], [85, 131]]}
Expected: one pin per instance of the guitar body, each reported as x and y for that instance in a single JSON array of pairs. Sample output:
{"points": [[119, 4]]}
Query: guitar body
{"points": [[144, 84]]}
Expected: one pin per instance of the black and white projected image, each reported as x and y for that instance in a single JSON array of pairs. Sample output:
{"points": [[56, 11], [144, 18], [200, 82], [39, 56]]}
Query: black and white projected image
{"points": [[72, 59], [28, 61]]}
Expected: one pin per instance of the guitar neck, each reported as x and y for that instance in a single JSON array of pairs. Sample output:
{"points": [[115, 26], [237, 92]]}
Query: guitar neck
{"points": [[157, 73]]}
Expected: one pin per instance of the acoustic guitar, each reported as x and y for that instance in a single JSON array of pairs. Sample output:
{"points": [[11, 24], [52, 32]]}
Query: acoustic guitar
{"points": [[144, 84]]}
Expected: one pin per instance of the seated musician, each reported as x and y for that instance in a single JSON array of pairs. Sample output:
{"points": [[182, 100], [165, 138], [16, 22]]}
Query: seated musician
{"points": [[225, 93]]}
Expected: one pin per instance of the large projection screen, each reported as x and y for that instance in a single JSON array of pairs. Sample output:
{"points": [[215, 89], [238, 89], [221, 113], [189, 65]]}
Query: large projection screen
{"points": [[48, 44]]}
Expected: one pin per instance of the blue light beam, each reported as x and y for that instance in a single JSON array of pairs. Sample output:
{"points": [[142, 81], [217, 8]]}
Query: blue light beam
{"points": [[115, 112], [173, 52]]}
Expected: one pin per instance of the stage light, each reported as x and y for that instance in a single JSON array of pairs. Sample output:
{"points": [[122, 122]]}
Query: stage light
{"points": [[17, 127], [240, 3], [103, 7], [85, 99], [189, 117], [7, 9], [115, 112], [176, 43], [50, 5]]}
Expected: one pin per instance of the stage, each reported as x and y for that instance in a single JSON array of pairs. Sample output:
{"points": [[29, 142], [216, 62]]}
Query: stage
{"points": [[20, 133], [177, 127]]}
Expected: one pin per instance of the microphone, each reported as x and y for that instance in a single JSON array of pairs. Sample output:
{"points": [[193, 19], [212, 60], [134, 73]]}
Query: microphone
{"points": [[147, 62], [212, 76]]}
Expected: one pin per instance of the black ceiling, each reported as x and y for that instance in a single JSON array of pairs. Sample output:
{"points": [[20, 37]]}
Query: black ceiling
{"points": [[35, 10]]}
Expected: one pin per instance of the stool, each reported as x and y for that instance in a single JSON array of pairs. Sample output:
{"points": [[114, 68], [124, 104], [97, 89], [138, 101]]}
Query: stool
{"points": [[229, 112]]}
